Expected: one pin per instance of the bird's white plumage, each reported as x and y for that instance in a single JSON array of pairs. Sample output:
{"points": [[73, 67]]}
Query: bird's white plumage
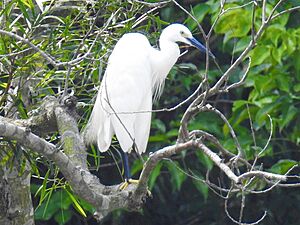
{"points": [[135, 72]]}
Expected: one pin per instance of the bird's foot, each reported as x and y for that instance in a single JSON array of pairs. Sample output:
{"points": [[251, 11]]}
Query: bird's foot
{"points": [[149, 194], [125, 184]]}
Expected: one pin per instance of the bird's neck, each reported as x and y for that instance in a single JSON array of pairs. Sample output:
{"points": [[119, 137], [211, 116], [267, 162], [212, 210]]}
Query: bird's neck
{"points": [[169, 53], [164, 60]]}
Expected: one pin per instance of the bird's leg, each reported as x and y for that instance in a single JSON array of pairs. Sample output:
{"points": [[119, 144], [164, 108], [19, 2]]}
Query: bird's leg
{"points": [[127, 175], [126, 165]]}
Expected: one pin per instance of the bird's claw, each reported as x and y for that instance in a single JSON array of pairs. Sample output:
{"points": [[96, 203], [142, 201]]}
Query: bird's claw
{"points": [[123, 186], [126, 183], [149, 194]]}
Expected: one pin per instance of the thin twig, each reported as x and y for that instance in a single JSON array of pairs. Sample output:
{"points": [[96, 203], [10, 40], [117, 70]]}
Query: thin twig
{"points": [[189, 98], [241, 152], [263, 11], [242, 80], [242, 207], [285, 11], [266, 145], [154, 4], [251, 126], [253, 20], [273, 184], [190, 15]]}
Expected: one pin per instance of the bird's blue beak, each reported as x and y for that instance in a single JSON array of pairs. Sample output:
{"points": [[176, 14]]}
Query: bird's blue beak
{"points": [[200, 46]]}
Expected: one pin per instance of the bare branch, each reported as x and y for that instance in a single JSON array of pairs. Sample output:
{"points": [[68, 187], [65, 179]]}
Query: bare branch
{"points": [[266, 145], [180, 104], [242, 207], [262, 174], [205, 135], [154, 4], [285, 11], [241, 152], [239, 222], [218, 161], [213, 139], [152, 161], [251, 127], [270, 137], [253, 19], [274, 184], [263, 11], [190, 15]]}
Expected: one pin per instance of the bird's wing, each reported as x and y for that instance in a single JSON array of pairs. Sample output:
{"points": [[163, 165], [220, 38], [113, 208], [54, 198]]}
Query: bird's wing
{"points": [[142, 124], [98, 124], [125, 90]]}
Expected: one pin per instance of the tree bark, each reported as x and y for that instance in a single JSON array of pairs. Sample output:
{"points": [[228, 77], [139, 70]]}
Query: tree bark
{"points": [[15, 198]]}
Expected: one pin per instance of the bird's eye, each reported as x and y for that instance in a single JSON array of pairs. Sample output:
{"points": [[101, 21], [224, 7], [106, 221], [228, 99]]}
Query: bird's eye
{"points": [[182, 32]]}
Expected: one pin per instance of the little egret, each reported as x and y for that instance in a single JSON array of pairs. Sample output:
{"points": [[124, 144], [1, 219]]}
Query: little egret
{"points": [[135, 74]]}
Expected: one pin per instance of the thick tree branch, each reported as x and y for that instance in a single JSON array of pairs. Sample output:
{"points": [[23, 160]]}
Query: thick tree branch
{"points": [[152, 161], [72, 142], [86, 185]]}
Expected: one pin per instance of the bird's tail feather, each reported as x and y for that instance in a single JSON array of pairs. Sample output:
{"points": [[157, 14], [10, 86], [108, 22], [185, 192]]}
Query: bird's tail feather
{"points": [[91, 130]]}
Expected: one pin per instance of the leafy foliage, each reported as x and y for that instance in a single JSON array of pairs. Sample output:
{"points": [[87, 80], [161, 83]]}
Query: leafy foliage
{"points": [[271, 89]]}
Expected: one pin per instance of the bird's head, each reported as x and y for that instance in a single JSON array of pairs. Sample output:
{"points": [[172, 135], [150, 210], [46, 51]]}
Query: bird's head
{"points": [[179, 33]]}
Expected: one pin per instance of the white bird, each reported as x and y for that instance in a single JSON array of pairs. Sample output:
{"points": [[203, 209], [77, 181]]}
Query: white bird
{"points": [[135, 74]]}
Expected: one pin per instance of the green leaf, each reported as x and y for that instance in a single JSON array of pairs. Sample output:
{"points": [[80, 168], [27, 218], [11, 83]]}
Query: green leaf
{"points": [[157, 123], [273, 33], [240, 117], [202, 188], [283, 19], [205, 160], [155, 173], [265, 100], [199, 11], [262, 84], [23, 5], [278, 53], [57, 201], [96, 156], [63, 216], [87, 206], [45, 211], [297, 87], [261, 114], [296, 61], [288, 115], [172, 133], [28, 3], [136, 166], [158, 138], [207, 121], [289, 42], [8, 8], [238, 104], [242, 44], [76, 204], [284, 81], [43, 187], [177, 177], [259, 55], [282, 166], [21, 109], [232, 24]]}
